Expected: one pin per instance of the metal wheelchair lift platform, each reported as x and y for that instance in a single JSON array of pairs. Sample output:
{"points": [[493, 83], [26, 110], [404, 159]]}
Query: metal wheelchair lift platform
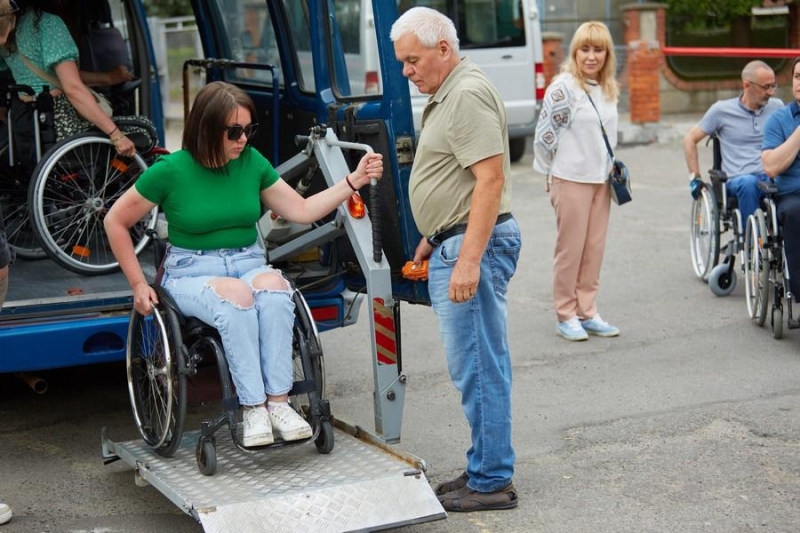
{"points": [[362, 485]]}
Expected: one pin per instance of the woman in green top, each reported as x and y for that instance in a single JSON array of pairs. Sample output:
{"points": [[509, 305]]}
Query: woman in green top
{"points": [[211, 192]]}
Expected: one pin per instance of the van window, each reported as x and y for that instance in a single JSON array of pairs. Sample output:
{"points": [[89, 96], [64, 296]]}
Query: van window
{"points": [[480, 23], [248, 35]]}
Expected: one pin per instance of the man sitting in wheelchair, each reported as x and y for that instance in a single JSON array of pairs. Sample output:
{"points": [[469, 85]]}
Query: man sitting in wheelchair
{"points": [[737, 123], [37, 48], [781, 158]]}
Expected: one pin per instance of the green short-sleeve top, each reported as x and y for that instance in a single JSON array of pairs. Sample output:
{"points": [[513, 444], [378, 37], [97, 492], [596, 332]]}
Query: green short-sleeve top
{"points": [[209, 209], [45, 44]]}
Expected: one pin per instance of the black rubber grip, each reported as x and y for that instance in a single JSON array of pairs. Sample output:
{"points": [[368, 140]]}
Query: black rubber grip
{"points": [[375, 218]]}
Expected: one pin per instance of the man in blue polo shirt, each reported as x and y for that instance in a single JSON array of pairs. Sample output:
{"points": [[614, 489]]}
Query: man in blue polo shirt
{"points": [[779, 154], [738, 123]]}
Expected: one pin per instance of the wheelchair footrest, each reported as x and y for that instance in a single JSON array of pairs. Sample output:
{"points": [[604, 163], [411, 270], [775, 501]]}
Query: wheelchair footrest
{"points": [[793, 323]]}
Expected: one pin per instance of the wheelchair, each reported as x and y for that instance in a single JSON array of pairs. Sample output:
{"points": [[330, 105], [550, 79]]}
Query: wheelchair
{"points": [[765, 266], [714, 214], [57, 210], [165, 348]]}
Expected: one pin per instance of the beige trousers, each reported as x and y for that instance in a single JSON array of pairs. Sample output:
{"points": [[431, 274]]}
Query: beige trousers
{"points": [[582, 211]]}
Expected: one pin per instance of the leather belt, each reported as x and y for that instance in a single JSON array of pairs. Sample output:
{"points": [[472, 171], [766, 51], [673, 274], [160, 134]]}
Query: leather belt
{"points": [[458, 229]]}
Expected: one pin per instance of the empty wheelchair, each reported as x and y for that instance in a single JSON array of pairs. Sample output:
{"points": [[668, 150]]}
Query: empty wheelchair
{"points": [[57, 210], [715, 214], [765, 266], [165, 348]]}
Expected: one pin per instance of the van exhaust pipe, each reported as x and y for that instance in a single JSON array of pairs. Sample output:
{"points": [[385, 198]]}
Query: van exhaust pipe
{"points": [[36, 383]]}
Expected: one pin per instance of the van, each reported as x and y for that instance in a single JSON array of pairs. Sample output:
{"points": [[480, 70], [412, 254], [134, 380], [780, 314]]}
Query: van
{"points": [[502, 37]]}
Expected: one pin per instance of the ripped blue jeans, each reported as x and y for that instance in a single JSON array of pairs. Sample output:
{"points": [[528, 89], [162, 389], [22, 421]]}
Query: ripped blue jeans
{"points": [[257, 339]]}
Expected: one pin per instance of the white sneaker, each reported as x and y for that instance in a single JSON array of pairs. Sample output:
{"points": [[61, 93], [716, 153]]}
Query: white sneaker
{"points": [[257, 429], [5, 513], [287, 424]]}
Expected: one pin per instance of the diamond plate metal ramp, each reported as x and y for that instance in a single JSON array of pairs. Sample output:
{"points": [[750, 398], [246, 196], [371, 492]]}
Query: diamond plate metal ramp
{"points": [[362, 485]]}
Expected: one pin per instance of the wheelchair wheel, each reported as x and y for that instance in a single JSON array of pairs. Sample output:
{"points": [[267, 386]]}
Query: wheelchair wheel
{"points": [[14, 206], [157, 389], [71, 190], [206, 455], [776, 320], [309, 369], [722, 280], [756, 268], [704, 233]]}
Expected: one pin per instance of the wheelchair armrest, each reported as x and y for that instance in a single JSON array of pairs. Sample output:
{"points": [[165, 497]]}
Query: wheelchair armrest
{"points": [[717, 175], [767, 187], [126, 86]]}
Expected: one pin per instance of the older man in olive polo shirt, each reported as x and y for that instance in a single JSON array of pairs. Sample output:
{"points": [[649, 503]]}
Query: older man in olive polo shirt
{"points": [[461, 200]]}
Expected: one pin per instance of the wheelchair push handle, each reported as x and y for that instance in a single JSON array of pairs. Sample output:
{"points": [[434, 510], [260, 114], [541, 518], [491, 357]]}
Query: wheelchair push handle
{"points": [[16, 88]]}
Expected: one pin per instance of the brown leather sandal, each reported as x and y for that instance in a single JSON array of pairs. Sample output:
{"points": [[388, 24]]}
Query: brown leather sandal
{"points": [[454, 484], [466, 500]]}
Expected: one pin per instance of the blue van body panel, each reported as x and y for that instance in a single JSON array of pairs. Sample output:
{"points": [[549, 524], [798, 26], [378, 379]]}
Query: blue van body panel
{"points": [[63, 343]]}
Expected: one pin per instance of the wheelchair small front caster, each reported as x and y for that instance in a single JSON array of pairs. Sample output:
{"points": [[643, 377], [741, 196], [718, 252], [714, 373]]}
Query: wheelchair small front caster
{"points": [[777, 322], [722, 280], [324, 441], [206, 454]]}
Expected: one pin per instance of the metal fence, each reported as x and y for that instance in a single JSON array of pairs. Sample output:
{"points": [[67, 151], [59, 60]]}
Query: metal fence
{"points": [[175, 40]]}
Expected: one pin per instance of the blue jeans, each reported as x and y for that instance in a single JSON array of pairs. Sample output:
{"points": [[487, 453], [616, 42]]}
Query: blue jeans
{"points": [[475, 338], [789, 217], [257, 339], [746, 191]]}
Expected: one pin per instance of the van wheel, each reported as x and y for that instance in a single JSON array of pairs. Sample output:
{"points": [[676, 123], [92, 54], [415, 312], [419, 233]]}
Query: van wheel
{"points": [[516, 148]]}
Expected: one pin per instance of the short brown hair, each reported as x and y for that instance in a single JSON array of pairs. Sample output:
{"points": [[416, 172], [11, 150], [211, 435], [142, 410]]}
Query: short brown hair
{"points": [[203, 133]]}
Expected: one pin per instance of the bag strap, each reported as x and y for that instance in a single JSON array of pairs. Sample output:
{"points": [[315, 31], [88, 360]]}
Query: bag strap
{"points": [[41, 74], [605, 136]]}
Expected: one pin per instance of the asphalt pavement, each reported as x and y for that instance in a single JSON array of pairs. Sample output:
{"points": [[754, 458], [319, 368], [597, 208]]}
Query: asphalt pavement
{"points": [[687, 422]]}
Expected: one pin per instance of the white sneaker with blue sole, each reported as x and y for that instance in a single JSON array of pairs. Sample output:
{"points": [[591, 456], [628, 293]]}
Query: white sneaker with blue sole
{"points": [[598, 326], [572, 330]]}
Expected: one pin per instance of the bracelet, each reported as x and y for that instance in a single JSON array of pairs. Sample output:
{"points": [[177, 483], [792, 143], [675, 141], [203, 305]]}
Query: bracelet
{"points": [[347, 179], [116, 128]]}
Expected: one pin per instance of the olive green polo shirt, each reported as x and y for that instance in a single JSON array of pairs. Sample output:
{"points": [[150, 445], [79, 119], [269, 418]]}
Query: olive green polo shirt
{"points": [[464, 122]]}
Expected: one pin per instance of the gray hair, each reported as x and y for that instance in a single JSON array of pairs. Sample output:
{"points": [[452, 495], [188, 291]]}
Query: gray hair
{"points": [[429, 26], [750, 69]]}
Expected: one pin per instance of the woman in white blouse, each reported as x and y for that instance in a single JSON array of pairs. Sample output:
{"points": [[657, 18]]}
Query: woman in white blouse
{"points": [[570, 150]]}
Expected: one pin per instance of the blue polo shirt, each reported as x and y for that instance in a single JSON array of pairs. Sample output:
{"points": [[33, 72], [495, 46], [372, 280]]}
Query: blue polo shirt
{"points": [[780, 125]]}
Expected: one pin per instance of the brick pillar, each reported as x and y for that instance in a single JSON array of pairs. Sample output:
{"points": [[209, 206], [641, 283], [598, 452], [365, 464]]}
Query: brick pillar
{"points": [[553, 50], [644, 36], [643, 82]]}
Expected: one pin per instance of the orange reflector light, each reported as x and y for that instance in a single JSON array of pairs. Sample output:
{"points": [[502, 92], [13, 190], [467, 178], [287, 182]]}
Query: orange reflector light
{"points": [[356, 206], [325, 314], [119, 164], [81, 251]]}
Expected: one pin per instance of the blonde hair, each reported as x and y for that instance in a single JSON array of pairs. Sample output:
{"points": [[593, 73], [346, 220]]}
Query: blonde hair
{"points": [[594, 33]]}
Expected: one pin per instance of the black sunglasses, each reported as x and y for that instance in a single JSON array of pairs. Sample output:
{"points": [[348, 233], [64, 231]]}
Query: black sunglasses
{"points": [[235, 131]]}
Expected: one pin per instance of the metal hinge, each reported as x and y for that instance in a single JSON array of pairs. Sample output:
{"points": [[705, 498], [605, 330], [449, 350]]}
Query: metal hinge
{"points": [[404, 146]]}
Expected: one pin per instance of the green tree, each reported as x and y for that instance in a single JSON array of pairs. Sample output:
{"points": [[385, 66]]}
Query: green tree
{"points": [[168, 8], [711, 12]]}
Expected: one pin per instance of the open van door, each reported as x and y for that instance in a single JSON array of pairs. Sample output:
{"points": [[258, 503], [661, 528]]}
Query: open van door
{"points": [[297, 59]]}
